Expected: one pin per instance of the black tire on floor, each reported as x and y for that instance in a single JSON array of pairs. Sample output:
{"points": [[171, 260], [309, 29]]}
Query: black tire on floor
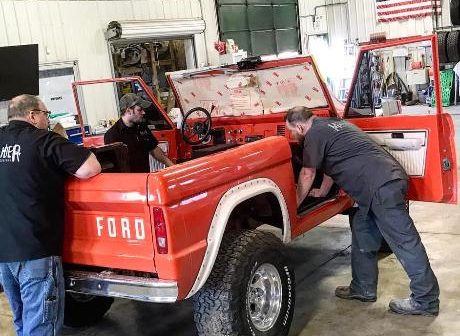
{"points": [[455, 12], [442, 47], [225, 303], [453, 46], [84, 310]]}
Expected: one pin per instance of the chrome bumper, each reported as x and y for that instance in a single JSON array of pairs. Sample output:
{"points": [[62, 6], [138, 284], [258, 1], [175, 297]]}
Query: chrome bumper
{"points": [[115, 285]]}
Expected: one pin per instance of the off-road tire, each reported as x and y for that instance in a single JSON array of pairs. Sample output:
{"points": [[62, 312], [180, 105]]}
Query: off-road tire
{"points": [[81, 310], [442, 47], [220, 307], [453, 46], [455, 12]]}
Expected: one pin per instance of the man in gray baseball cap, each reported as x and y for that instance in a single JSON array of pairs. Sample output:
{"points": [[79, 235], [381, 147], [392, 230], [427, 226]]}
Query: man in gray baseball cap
{"points": [[135, 134], [131, 99]]}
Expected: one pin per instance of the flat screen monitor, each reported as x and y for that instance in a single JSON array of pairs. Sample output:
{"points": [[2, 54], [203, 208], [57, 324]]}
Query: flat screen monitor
{"points": [[18, 71]]}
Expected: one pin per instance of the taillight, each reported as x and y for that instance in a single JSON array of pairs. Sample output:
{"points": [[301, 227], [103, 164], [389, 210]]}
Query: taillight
{"points": [[160, 231]]}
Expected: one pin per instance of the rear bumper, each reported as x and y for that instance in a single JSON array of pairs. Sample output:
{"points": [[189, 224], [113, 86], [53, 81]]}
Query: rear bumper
{"points": [[115, 285]]}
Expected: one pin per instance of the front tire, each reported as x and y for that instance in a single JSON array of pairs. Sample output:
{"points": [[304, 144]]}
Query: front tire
{"points": [[84, 310], [251, 289]]}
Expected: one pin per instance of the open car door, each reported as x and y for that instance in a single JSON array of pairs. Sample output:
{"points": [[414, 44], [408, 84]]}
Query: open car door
{"points": [[419, 136], [111, 89]]}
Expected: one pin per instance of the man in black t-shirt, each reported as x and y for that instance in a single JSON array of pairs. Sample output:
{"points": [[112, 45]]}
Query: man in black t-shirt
{"points": [[131, 131], [378, 183], [34, 164]]}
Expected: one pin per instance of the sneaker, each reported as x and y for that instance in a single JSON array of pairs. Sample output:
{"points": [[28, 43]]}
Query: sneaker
{"points": [[345, 292], [410, 307]]}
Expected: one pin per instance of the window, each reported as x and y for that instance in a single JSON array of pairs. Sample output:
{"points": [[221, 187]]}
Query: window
{"points": [[394, 80], [261, 27]]}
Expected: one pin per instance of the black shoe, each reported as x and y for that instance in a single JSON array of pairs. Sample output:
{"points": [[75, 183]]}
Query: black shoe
{"points": [[345, 292], [409, 307]]}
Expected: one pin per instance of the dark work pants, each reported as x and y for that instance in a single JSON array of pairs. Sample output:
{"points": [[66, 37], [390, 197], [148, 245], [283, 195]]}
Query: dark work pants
{"points": [[387, 216]]}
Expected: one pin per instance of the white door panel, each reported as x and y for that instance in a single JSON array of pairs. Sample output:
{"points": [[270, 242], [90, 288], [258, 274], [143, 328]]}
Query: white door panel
{"points": [[408, 148]]}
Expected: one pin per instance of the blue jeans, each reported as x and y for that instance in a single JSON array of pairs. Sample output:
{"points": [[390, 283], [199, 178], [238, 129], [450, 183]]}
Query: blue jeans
{"points": [[387, 217], [35, 290]]}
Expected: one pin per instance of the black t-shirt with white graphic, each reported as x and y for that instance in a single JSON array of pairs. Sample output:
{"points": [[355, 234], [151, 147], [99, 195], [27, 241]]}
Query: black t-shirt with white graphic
{"points": [[34, 164], [139, 140], [350, 157]]}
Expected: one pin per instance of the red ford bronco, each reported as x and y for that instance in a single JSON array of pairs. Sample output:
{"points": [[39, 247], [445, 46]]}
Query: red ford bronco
{"points": [[213, 227]]}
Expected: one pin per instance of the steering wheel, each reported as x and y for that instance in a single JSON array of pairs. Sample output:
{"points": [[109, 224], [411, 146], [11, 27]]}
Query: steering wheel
{"points": [[196, 130]]}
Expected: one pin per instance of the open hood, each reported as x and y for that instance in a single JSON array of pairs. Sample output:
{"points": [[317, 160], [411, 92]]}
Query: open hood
{"points": [[272, 87]]}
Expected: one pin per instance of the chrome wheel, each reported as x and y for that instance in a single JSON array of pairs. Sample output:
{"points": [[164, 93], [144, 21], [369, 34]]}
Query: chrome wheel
{"points": [[264, 297]]}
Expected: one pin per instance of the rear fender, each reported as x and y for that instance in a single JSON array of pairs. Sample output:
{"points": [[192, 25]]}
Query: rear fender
{"points": [[229, 201]]}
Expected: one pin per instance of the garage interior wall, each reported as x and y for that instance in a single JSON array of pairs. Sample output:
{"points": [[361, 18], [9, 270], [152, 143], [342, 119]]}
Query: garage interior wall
{"points": [[74, 30], [342, 22], [362, 20]]}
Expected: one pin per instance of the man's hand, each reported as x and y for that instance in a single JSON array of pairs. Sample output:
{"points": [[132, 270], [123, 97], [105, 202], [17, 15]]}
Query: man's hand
{"points": [[306, 178], [161, 156]]}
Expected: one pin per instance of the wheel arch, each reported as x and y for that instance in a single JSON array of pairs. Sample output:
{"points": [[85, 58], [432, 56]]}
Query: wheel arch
{"points": [[223, 212]]}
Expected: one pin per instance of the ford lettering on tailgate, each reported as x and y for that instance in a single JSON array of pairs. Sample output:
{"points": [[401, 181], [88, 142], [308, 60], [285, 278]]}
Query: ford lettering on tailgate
{"points": [[124, 227]]}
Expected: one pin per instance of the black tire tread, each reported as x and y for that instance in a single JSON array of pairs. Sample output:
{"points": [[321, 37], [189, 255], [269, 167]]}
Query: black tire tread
{"points": [[217, 316], [455, 12], [453, 46], [81, 314], [442, 47]]}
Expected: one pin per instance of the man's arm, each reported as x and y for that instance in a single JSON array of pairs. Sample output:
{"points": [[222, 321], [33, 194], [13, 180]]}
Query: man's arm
{"points": [[89, 168], [160, 156], [306, 178], [323, 190]]}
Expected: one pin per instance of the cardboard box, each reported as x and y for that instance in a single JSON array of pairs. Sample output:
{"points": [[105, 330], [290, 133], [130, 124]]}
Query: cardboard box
{"points": [[391, 107], [417, 76], [232, 58]]}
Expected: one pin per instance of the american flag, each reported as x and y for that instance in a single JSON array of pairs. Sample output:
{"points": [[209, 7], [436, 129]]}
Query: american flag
{"points": [[398, 10]]}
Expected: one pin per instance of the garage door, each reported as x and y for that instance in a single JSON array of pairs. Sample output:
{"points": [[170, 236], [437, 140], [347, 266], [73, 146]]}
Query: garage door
{"points": [[262, 27]]}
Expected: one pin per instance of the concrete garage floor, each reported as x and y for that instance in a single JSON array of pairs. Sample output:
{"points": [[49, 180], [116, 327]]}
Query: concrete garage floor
{"points": [[322, 258]]}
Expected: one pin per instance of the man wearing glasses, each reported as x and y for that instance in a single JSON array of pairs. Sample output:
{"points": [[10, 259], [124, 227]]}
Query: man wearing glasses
{"points": [[34, 164], [135, 134]]}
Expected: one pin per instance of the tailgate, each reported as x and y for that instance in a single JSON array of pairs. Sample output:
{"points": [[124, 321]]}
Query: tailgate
{"points": [[107, 223]]}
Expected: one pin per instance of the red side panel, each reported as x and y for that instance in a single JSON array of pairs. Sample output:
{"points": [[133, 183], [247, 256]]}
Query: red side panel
{"points": [[438, 183]]}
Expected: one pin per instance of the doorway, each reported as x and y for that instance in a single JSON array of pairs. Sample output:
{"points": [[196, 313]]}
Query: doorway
{"points": [[151, 60]]}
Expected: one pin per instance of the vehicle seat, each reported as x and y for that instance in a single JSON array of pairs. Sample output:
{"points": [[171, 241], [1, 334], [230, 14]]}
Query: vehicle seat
{"points": [[112, 157]]}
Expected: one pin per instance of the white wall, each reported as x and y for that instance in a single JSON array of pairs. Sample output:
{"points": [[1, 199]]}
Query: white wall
{"points": [[357, 18], [351, 20], [74, 30], [364, 22]]}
